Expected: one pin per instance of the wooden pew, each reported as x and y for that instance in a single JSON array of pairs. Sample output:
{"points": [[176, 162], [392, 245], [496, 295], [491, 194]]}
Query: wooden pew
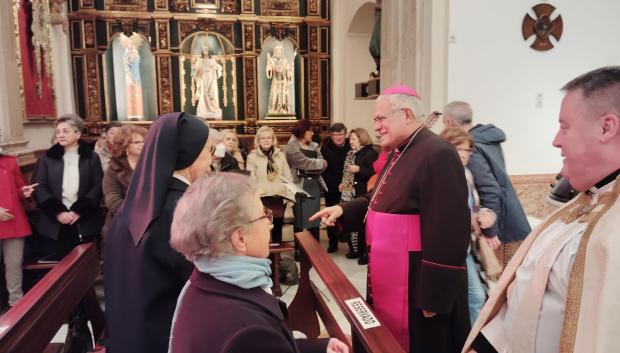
{"points": [[32, 322], [308, 302]]}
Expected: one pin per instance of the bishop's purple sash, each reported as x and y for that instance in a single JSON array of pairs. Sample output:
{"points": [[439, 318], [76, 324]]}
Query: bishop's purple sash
{"points": [[391, 237]]}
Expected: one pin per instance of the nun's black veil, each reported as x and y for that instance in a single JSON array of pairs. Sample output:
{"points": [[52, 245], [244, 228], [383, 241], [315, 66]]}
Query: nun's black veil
{"points": [[173, 143], [143, 274]]}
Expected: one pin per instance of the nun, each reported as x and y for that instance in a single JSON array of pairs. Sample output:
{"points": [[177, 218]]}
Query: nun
{"points": [[143, 274]]}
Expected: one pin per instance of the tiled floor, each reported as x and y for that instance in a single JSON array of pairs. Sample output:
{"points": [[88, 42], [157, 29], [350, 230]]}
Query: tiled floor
{"points": [[354, 272]]}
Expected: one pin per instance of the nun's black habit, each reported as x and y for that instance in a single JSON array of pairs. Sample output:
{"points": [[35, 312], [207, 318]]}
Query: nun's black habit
{"points": [[143, 274]]}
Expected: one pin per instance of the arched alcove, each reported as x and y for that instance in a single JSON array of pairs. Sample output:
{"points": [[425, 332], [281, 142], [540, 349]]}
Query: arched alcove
{"points": [[221, 50], [264, 83], [130, 79], [364, 19], [358, 113]]}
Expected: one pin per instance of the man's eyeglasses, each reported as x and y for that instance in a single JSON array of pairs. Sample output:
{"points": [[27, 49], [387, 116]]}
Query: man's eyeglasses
{"points": [[268, 214], [381, 119]]}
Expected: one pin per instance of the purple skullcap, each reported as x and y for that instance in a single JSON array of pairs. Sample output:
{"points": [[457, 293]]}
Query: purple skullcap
{"points": [[401, 89]]}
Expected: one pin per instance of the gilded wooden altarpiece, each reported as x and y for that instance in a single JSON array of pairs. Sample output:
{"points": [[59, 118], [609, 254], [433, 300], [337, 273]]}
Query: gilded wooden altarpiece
{"points": [[166, 26]]}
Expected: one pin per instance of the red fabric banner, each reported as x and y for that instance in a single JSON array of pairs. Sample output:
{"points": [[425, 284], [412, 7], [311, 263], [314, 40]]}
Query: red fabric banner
{"points": [[45, 105]]}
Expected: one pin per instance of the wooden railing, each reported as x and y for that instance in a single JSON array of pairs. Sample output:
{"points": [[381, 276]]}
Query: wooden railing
{"points": [[32, 322], [309, 302]]}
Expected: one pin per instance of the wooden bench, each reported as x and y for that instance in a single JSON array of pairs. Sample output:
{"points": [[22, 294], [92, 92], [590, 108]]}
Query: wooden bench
{"points": [[32, 322], [309, 302]]}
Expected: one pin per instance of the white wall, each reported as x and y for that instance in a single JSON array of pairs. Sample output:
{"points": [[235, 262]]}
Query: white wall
{"points": [[39, 136], [493, 68], [351, 62]]}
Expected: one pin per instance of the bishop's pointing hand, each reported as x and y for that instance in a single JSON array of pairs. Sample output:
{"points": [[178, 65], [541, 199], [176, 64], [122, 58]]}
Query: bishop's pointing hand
{"points": [[328, 215]]}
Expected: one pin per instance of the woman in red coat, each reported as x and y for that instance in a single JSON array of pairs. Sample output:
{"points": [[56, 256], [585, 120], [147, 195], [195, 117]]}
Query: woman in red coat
{"points": [[13, 223]]}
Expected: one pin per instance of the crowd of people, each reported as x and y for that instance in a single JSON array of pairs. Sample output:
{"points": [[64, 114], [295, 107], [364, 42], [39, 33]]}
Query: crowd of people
{"points": [[190, 218]]}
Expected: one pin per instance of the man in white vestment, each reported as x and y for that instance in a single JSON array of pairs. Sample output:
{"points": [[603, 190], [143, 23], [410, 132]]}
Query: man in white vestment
{"points": [[560, 292]]}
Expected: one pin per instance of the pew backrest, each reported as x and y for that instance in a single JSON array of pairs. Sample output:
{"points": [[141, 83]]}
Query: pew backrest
{"points": [[367, 332], [33, 321]]}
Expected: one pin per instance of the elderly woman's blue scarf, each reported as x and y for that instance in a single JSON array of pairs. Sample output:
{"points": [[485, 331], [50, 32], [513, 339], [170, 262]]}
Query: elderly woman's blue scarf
{"points": [[242, 271]]}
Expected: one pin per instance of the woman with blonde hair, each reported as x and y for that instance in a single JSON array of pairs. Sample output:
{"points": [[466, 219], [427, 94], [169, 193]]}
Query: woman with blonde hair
{"points": [[267, 164], [231, 142]]}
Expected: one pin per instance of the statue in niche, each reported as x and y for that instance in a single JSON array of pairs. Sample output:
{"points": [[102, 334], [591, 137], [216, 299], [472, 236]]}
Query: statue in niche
{"points": [[281, 73], [133, 83], [375, 40], [205, 73]]}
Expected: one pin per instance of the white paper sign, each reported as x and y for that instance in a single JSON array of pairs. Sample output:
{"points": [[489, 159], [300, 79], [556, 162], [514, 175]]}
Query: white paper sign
{"points": [[362, 313]]}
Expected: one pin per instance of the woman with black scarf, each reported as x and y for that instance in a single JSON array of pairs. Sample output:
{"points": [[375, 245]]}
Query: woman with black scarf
{"points": [[143, 274], [266, 164]]}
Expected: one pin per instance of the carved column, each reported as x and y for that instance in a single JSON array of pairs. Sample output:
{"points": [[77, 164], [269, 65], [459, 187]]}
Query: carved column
{"points": [[414, 47], [91, 77], [247, 6], [161, 5], [164, 83], [11, 100], [163, 61], [163, 34], [314, 7], [250, 73], [314, 83]]}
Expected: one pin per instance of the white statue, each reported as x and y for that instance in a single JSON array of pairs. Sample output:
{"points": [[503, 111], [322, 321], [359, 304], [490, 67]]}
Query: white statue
{"points": [[205, 73], [280, 71], [133, 83]]}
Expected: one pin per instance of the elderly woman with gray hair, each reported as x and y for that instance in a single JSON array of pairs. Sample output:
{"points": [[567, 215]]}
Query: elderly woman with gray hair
{"points": [[69, 176], [221, 225]]}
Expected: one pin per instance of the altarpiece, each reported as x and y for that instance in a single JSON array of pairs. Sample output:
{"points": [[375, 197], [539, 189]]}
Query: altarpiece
{"points": [[237, 63]]}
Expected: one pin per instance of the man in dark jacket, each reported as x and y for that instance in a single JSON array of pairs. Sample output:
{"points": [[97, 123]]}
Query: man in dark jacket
{"points": [[492, 182], [334, 151]]}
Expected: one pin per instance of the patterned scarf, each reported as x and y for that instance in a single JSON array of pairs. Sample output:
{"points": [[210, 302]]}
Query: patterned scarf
{"points": [[271, 168], [348, 192]]}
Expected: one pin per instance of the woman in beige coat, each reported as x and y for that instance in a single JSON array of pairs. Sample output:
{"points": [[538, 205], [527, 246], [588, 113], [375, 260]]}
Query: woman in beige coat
{"points": [[266, 164]]}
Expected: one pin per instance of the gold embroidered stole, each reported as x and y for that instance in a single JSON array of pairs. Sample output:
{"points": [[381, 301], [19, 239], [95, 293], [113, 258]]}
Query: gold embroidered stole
{"points": [[584, 211]]}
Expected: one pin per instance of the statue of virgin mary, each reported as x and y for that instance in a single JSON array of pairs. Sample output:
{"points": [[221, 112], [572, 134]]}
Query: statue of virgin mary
{"points": [[133, 83]]}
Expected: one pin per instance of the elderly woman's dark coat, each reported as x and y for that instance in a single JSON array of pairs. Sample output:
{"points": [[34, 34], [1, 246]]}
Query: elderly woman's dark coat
{"points": [[218, 317], [143, 274], [48, 194]]}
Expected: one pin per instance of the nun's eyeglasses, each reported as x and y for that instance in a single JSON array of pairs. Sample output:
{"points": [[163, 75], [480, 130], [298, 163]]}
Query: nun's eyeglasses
{"points": [[268, 214], [211, 149]]}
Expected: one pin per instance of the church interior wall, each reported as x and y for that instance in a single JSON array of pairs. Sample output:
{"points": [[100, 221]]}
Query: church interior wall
{"points": [[351, 60], [39, 135], [515, 87]]}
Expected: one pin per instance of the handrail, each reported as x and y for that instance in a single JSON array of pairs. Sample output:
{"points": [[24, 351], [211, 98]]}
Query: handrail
{"points": [[301, 312], [33, 321]]}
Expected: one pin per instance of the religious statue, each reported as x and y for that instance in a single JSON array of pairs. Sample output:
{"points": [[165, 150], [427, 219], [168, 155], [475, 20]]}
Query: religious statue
{"points": [[281, 73], [133, 83], [375, 40], [205, 73]]}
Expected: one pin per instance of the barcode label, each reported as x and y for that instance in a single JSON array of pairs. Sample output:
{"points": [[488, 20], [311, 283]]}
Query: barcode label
{"points": [[362, 313]]}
